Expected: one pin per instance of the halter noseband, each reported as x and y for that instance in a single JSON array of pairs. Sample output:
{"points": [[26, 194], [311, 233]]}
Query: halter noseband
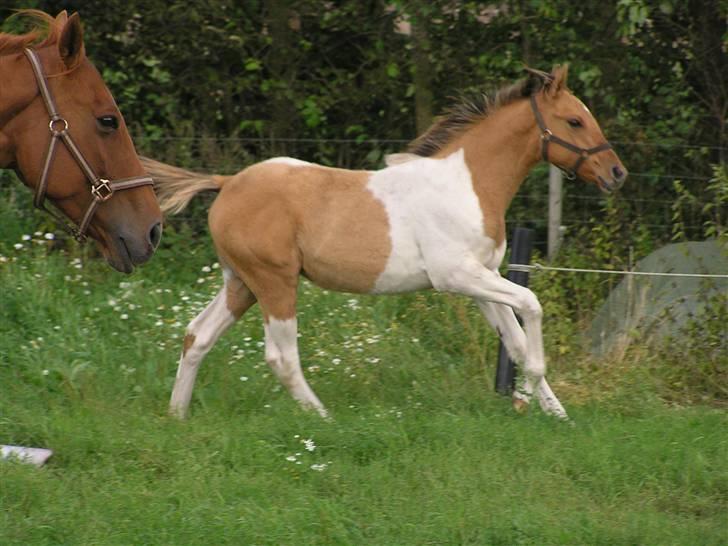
{"points": [[547, 136], [101, 188]]}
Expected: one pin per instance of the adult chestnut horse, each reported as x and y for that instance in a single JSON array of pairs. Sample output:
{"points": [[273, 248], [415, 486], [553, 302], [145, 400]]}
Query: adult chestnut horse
{"points": [[434, 218], [62, 133]]}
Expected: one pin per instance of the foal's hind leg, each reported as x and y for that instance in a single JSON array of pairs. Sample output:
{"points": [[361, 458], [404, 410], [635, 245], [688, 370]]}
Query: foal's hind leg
{"points": [[503, 319], [230, 303], [277, 298], [281, 354]]}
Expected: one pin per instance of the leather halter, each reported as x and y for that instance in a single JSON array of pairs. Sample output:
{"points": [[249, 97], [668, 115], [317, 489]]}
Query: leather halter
{"points": [[101, 188], [547, 137]]}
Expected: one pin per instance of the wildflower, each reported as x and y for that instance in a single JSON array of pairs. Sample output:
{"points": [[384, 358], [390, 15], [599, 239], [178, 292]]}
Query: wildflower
{"points": [[308, 444], [26, 237], [206, 269], [49, 236], [18, 246], [291, 458], [243, 378], [319, 467], [46, 372], [124, 316], [336, 361]]}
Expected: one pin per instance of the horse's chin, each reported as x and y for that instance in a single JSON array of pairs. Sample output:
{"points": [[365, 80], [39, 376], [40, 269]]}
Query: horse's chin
{"points": [[117, 256], [605, 186]]}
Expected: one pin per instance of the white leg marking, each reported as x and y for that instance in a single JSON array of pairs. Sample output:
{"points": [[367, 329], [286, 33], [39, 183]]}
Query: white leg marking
{"points": [[281, 354], [202, 333], [549, 403], [498, 298]]}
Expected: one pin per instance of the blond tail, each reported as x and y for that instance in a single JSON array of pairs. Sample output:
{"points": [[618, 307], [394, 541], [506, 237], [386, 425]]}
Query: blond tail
{"points": [[176, 187]]}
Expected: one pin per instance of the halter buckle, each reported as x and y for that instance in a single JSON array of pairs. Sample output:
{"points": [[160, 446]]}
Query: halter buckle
{"points": [[102, 190], [546, 135]]}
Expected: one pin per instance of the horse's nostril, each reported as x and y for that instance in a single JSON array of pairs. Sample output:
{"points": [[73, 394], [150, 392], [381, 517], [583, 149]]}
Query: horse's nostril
{"points": [[617, 172], [155, 235]]}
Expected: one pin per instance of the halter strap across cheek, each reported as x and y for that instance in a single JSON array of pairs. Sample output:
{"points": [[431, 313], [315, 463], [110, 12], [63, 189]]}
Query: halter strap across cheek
{"points": [[548, 137], [101, 188]]}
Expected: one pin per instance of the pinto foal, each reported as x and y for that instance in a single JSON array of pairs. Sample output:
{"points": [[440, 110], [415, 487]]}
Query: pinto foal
{"points": [[434, 218]]}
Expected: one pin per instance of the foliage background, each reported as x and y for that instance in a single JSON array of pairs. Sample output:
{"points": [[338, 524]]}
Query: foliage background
{"points": [[220, 84]]}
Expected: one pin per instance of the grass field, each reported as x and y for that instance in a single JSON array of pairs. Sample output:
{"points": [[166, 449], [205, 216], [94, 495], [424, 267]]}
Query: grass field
{"points": [[420, 450]]}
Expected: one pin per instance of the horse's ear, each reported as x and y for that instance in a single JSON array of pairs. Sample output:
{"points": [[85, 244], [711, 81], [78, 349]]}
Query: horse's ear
{"points": [[61, 18], [560, 74], [535, 80], [70, 43]]}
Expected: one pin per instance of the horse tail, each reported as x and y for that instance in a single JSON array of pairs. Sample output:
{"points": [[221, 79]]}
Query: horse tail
{"points": [[176, 187]]}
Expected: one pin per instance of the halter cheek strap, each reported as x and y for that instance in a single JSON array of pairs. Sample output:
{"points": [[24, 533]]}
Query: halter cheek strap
{"points": [[548, 137], [101, 188]]}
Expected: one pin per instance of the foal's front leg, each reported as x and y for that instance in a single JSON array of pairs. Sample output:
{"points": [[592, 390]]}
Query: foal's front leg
{"points": [[487, 287], [503, 319]]}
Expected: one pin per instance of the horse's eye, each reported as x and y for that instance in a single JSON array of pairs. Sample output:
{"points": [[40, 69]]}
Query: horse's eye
{"points": [[108, 123], [575, 122]]}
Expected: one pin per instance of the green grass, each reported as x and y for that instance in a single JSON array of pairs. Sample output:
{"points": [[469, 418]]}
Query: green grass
{"points": [[420, 450]]}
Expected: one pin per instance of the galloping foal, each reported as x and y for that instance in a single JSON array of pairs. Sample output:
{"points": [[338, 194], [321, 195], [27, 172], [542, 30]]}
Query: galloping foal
{"points": [[434, 218]]}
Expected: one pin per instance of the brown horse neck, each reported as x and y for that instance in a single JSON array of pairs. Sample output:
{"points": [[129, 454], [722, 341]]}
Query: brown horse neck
{"points": [[499, 151]]}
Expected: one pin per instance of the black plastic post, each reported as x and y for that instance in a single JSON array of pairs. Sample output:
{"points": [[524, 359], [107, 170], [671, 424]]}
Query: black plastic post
{"points": [[505, 374]]}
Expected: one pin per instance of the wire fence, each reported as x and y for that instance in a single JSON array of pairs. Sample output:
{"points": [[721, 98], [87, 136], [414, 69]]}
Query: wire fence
{"points": [[536, 267], [379, 141]]}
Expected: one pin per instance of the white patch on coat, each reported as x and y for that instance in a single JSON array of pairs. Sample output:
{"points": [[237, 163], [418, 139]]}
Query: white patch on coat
{"points": [[397, 159], [290, 161], [435, 222], [281, 354]]}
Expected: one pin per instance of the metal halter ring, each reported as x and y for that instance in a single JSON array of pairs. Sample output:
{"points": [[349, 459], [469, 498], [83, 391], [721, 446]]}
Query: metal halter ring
{"points": [[53, 121]]}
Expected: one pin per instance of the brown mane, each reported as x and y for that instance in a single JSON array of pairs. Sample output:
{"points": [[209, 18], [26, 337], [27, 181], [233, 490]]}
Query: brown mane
{"points": [[46, 31], [472, 110]]}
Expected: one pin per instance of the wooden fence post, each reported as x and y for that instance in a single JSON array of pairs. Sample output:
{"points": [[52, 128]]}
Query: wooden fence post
{"points": [[555, 199]]}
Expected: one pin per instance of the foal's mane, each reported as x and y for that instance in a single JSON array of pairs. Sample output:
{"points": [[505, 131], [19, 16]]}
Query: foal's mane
{"points": [[45, 31], [469, 111]]}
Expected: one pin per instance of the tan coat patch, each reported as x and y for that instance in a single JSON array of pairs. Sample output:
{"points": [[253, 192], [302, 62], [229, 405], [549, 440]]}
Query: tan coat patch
{"points": [[274, 221], [188, 342]]}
